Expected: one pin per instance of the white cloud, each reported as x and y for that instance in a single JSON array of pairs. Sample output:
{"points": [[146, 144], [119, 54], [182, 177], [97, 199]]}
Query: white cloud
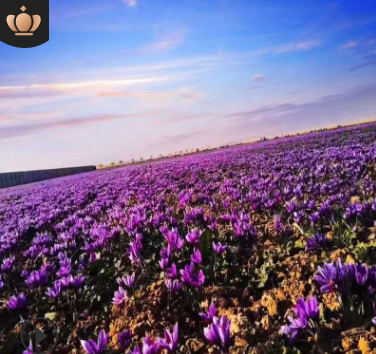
{"points": [[130, 3], [299, 46], [168, 42], [349, 44], [259, 77]]}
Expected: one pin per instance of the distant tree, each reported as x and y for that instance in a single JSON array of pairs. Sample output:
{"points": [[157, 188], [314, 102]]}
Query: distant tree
{"points": [[120, 162], [112, 163], [101, 165]]}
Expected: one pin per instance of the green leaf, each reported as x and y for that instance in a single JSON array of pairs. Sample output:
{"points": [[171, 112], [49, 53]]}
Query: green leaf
{"points": [[205, 246]]}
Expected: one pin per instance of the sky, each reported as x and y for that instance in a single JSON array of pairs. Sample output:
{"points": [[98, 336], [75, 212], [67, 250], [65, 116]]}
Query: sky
{"points": [[123, 79]]}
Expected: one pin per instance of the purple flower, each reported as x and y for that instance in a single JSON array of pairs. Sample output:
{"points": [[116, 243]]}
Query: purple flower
{"points": [[120, 296], [30, 348], [361, 274], [189, 277], [136, 350], [314, 218], [328, 277], [64, 271], [196, 257], [78, 281], [134, 254], [37, 277], [163, 263], [278, 226], [304, 311], [64, 282], [172, 272], [309, 309], [219, 248], [129, 280], [208, 317], [166, 252], [374, 321], [170, 341], [317, 241], [16, 302], [173, 286], [193, 237], [294, 328], [174, 240], [125, 339], [8, 264], [54, 292], [92, 347], [218, 333], [148, 347]]}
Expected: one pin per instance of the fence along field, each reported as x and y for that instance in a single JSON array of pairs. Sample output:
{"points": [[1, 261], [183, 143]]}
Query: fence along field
{"points": [[19, 178]]}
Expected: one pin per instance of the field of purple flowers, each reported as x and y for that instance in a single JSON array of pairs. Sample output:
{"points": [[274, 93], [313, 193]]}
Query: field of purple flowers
{"points": [[261, 248]]}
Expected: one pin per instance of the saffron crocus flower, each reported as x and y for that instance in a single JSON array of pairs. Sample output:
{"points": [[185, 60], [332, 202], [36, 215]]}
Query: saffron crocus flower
{"points": [[92, 347], [8, 264], [166, 252], [54, 292], [1, 283], [361, 274], [218, 333], [189, 277], [218, 248], [317, 241], [174, 240], [136, 350], [294, 328], [120, 296], [173, 286], [305, 311], [172, 273], [164, 263], [309, 309], [125, 339], [16, 302], [148, 347], [374, 321], [193, 237], [64, 271], [196, 257], [78, 281], [129, 281], [134, 254], [328, 277], [278, 226], [208, 317], [64, 282], [37, 277], [30, 348], [170, 341]]}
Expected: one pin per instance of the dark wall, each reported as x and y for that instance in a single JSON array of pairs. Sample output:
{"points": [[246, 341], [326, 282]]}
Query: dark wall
{"points": [[18, 178]]}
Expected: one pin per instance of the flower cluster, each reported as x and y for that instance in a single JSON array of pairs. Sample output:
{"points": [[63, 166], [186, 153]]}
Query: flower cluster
{"points": [[307, 313]]}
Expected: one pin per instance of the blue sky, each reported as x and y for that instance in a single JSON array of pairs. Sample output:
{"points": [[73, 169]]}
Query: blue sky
{"points": [[123, 79]]}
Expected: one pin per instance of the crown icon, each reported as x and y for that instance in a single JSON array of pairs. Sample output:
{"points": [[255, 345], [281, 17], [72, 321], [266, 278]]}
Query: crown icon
{"points": [[23, 24]]}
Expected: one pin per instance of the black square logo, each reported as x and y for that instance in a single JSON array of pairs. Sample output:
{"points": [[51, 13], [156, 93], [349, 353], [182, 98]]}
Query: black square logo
{"points": [[24, 23]]}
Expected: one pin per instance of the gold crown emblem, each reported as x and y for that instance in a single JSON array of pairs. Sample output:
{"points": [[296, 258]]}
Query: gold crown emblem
{"points": [[23, 24]]}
